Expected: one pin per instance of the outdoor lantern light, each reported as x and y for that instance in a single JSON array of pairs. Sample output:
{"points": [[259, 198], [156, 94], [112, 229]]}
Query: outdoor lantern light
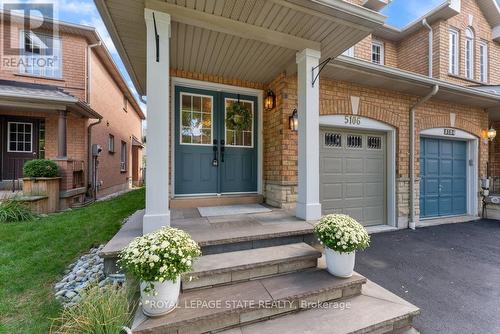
{"points": [[489, 135], [293, 121], [270, 100]]}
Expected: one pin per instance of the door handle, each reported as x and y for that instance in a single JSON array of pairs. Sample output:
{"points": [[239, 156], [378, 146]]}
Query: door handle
{"points": [[215, 162], [222, 149]]}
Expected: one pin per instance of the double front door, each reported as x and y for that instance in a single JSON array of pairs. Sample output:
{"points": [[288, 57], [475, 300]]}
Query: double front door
{"points": [[215, 142]]}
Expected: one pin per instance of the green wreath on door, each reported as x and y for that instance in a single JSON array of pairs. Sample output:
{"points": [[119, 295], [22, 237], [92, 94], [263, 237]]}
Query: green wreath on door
{"points": [[238, 117]]}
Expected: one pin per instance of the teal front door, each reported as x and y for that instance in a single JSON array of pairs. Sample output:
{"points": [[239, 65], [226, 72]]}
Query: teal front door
{"points": [[212, 154], [443, 190]]}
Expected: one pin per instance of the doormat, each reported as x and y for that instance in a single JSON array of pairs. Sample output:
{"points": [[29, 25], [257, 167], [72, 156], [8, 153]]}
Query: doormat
{"points": [[227, 210]]}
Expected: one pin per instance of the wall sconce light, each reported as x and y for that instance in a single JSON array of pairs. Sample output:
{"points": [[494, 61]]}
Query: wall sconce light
{"points": [[293, 121], [489, 135], [270, 100]]}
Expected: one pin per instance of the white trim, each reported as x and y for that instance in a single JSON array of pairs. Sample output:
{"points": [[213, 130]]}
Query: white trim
{"points": [[381, 45], [176, 81], [453, 66], [472, 156], [371, 124], [469, 53], [31, 137], [483, 62]]}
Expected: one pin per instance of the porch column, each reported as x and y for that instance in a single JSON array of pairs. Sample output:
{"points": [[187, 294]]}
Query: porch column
{"points": [[308, 205], [158, 102], [62, 152]]}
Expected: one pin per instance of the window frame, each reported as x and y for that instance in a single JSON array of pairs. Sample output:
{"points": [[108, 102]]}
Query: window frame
{"points": [[379, 44], [123, 156], [22, 69], [483, 62], [9, 141], [212, 112], [453, 54], [253, 123], [469, 54], [349, 52], [111, 143]]}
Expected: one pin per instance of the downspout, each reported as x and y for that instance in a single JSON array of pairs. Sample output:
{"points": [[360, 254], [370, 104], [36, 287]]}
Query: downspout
{"points": [[91, 125], [431, 42], [435, 89]]}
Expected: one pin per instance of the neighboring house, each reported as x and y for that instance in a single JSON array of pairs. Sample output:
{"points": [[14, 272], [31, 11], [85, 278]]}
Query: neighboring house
{"points": [[378, 138], [57, 112]]}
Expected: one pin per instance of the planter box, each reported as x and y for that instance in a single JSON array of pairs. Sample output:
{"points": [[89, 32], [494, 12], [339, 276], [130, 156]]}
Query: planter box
{"points": [[44, 186]]}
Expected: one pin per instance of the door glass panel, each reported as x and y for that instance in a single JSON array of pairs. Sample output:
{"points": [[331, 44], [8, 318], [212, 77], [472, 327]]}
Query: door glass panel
{"points": [[239, 123], [196, 120]]}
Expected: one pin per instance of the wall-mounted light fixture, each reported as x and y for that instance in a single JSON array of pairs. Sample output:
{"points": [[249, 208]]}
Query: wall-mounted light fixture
{"points": [[270, 100], [293, 121], [489, 135]]}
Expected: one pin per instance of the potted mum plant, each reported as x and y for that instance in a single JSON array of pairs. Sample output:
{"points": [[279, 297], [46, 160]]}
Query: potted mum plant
{"points": [[157, 260], [342, 236]]}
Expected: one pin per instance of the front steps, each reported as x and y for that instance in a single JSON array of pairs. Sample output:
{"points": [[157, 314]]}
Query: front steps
{"points": [[205, 201], [225, 268]]}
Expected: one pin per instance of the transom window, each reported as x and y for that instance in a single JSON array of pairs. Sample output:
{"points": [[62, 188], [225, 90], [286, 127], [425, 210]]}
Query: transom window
{"points": [[483, 58], [469, 54], [378, 52], [196, 119], [20, 137], [239, 137], [40, 55], [453, 52]]}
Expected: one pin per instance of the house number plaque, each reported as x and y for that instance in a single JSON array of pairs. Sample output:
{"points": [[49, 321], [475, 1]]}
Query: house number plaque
{"points": [[449, 132], [352, 120]]}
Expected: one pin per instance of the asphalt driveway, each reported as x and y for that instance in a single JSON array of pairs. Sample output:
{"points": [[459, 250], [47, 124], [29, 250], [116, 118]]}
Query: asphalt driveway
{"points": [[452, 272]]}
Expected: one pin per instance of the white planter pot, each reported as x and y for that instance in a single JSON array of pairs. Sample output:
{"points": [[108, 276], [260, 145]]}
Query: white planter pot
{"points": [[340, 264], [162, 300]]}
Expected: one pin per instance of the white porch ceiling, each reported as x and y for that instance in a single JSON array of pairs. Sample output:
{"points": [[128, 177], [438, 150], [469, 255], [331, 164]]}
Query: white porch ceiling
{"points": [[216, 36]]}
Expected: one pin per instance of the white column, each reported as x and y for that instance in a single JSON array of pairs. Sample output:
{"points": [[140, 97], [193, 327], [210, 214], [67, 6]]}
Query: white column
{"points": [[158, 102], [308, 205]]}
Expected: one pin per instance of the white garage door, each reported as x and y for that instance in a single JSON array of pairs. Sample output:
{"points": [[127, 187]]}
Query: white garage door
{"points": [[353, 174]]}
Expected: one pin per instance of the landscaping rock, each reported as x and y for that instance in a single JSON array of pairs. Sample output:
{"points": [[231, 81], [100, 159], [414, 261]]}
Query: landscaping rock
{"points": [[79, 275]]}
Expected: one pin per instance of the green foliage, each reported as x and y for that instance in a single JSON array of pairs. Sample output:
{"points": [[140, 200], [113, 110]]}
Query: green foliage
{"points": [[34, 256], [40, 168], [12, 210], [100, 311], [342, 233], [238, 117], [161, 255]]}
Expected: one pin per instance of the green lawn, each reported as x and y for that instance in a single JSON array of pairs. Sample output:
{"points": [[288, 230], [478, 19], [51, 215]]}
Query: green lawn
{"points": [[33, 256]]}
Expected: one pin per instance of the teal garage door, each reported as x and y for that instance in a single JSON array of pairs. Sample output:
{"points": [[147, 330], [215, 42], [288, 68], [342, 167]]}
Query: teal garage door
{"points": [[443, 180]]}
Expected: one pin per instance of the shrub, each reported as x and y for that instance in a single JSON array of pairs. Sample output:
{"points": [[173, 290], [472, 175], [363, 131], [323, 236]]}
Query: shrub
{"points": [[159, 256], [13, 210], [40, 168], [100, 311], [342, 233]]}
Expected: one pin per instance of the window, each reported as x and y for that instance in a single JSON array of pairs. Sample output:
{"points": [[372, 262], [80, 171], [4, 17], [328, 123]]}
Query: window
{"points": [[374, 143], [333, 139], [41, 140], [125, 103], [453, 52], [469, 54], [111, 144], [354, 141], [123, 157], [240, 137], [40, 55], [349, 52], [483, 58], [378, 52], [196, 119], [20, 137]]}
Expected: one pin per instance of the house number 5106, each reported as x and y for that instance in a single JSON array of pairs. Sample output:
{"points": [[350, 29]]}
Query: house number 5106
{"points": [[352, 120]]}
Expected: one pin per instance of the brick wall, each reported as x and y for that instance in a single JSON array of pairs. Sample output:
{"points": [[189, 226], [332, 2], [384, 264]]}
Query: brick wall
{"points": [[108, 100]]}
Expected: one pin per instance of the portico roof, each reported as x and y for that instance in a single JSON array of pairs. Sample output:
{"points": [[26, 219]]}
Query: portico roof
{"points": [[368, 74], [251, 40], [16, 94]]}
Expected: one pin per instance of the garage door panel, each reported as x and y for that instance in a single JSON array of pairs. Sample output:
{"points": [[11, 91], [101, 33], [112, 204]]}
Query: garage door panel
{"points": [[431, 166], [459, 166], [460, 186], [446, 167], [431, 186], [362, 177]]}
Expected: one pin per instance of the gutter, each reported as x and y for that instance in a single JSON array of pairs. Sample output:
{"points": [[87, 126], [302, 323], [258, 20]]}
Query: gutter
{"points": [[89, 68], [435, 90], [431, 43]]}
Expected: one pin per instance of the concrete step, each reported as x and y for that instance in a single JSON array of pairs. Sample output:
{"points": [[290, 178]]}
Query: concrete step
{"points": [[204, 201], [227, 268], [223, 307], [375, 311]]}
